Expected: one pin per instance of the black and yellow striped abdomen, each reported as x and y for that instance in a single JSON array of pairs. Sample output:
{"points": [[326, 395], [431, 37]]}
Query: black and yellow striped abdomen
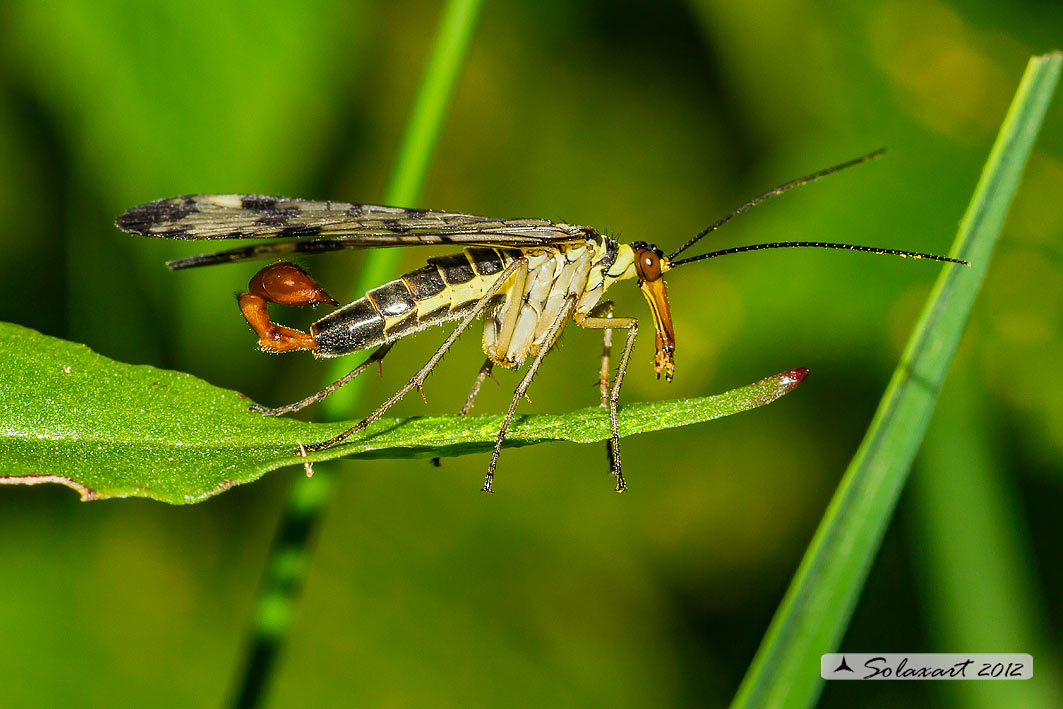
{"points": [[443, 290]]}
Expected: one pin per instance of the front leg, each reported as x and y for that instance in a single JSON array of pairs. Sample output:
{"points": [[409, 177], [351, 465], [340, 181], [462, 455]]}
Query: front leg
{"points": [[604, 310], [632, 327]]}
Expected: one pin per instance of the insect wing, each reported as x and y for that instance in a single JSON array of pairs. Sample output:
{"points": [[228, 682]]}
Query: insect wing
{"points": [[237, 216], [316, 227]]}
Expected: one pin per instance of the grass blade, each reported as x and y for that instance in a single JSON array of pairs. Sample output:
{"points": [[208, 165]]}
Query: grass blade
{"points": [[816, 609], [994, 568], [308, 499]]}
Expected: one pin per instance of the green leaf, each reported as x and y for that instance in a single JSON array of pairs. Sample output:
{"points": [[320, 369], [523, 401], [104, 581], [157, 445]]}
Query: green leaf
{"points": [[69, 415], [813, 616]]}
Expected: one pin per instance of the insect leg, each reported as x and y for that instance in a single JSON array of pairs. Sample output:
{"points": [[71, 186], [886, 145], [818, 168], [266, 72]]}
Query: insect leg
{"points": [[604, 310], [550, 336], [377, 356], [632, 327], [505, 331], [418, 379], [485, 372]]}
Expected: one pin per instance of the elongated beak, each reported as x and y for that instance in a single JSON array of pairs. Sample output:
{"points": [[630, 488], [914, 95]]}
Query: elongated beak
{"points": [[657, 296]]}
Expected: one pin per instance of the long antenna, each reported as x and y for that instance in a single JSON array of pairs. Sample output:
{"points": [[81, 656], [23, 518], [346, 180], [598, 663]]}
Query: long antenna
{"points": [[771, 193], [818, 245]]}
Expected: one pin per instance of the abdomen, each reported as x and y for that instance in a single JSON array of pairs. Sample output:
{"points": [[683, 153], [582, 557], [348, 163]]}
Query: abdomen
{"points": [[444, 290]]}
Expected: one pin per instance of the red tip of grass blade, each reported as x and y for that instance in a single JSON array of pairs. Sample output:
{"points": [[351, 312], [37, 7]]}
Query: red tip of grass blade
{"points": [[768, 390], [795, 377]]}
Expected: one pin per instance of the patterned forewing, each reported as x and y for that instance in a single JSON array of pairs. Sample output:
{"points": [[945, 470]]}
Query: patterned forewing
{"points": [[236, 216]]}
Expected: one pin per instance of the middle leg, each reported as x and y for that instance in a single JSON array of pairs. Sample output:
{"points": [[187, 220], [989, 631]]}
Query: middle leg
{"points": [[485, 372]]}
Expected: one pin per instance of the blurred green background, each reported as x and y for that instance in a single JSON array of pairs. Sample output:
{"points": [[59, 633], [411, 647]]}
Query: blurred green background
{"points": [[647, 121]]}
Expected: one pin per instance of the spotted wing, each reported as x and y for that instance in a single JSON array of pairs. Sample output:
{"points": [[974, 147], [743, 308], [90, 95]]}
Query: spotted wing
{"points": [[316, 227]]}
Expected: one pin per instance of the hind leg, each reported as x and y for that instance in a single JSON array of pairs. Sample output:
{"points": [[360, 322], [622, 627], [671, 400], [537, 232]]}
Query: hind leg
{"points": [[377, 356]]}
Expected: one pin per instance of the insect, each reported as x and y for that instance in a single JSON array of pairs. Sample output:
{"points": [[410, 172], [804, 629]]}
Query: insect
{"points": [[527, 278]]}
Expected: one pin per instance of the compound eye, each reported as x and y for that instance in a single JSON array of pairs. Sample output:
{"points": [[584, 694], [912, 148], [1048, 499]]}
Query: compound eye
{"points": [[648, 265]]}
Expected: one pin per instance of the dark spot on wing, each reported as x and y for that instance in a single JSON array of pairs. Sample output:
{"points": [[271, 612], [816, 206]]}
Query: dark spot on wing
{"points": [[258, 203], [272, 216], [280, 217], [140, 220], [318, 246], [300, 230]]}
